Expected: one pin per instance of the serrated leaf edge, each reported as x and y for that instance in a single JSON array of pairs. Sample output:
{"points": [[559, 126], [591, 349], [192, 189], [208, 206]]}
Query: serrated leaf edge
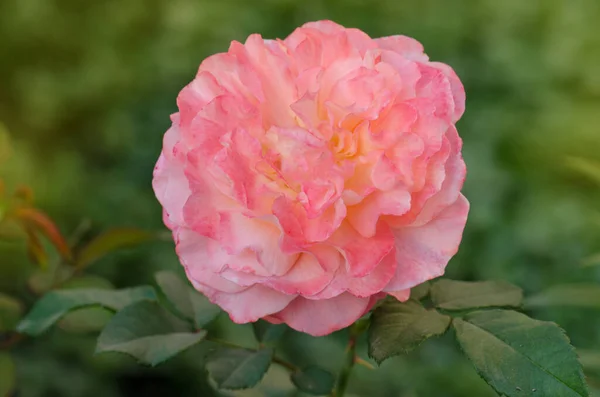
{"points": [[412, 346], [563, 333]]}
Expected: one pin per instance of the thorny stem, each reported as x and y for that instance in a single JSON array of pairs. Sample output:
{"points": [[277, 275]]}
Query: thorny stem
{"points": [[286, 364], [364, 363]]}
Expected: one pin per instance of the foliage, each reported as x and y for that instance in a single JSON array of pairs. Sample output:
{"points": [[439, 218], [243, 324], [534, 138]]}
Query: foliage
{"points": [[86, 95], [511, 351], [517, 355], [400, 327], [147, 332]]}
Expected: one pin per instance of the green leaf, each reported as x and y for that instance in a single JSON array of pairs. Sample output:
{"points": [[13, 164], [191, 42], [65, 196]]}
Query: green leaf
{"points": [[267, 333], [420, 291], [238, 368], [91, 319], [11, 311], [86, 320], [54, 305], [568, 295], [147, 332], [110, 241], [177, 292], [462, 295], [204, 311], [398, 327], [313, 380], [186, 301], [7, 374], [520, 356]]}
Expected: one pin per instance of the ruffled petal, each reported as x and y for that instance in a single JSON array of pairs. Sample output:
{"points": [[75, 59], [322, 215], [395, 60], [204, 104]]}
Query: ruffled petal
{"points": [[307, 277], [304, 179], [364, 217], [169, 182], [423, 252], [402, 295], [406, 46], [302, 231], [362, 254], [203, 258], [454, 176], [172, 190], [249, 305], [322, 317], [458, 90], [361, 287]]}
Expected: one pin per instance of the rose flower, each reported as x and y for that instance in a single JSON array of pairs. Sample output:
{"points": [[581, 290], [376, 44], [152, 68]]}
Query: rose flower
{"points": [[304, 179]]}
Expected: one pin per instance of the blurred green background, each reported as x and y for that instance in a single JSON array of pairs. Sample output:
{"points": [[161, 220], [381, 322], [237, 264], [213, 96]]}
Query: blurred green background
{"points": [[87, 87]]}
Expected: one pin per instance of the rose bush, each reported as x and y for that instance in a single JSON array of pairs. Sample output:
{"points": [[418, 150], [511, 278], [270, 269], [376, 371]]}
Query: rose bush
{"points": [[304, 179]]}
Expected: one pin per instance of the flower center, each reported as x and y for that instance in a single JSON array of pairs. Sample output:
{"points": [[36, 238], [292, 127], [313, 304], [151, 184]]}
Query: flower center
{"points": [[344, 144]]}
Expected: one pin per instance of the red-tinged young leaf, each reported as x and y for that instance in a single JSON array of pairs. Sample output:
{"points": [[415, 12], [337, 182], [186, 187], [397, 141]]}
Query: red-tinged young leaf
{"points": [[35, 250], [36, 219]]}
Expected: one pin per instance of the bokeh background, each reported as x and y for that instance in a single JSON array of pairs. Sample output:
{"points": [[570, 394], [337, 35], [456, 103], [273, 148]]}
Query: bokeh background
{"points": [[86, 90]]}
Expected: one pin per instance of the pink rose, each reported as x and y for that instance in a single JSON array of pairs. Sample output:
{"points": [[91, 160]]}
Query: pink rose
{"points": [[306, 178]]}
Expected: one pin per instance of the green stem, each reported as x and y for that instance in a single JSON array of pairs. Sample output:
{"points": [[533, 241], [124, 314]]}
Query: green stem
{"points": [[344, 376], [349, 360], [286, 364]]}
